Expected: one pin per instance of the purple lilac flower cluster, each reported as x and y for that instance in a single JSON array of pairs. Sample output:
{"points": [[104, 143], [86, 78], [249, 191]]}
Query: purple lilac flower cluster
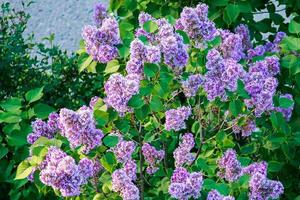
{"points": [[260, 186], [152, 157], [139, 54], [192, 85], [215, 195], [122, 179], [175, 118], [287, 112], [80, 129], [60, 171], [195, 22], [185, 185], [261, 84], [246, 129], [43, 129], [123, 184], [165, 41], [222, 75], [263, 188], [182, 153], [243, 31], [119, 90], [230, 168], [268, 47], [101, 41]]}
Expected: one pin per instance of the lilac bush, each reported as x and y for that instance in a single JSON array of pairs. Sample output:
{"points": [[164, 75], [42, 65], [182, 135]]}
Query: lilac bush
{"points": [[188, 111]]}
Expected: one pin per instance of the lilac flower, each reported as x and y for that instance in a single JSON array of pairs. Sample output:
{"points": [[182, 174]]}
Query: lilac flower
{"points": [[43, 129], [261, 85], [287, 112], [215, 195], [93, 101], [100, 13], [263, 188], [232, 45], [192, 84], [222, 75], [61, 172], [123, 150], [153, 54], [257, 51], [274, 46], [195, 23], [185, 185], [119, 90], [257, 167], [175, 118], [182, 154], [246, 129], [80, 129], [152, 157], [243, 31], [137, 57], [123, 184], [130, 168], [230, 167], [101, 42]]}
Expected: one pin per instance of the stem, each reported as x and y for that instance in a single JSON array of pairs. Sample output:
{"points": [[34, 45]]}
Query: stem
{"points": [[165, 159], [141, 164], [202, 135]]}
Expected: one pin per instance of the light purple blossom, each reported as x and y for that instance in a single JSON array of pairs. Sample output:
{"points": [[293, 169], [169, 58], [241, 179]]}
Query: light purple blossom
{"points": [[192, 84], [152, 157], [175, 118], [287, 112], [182, 154], [215, 195], [185, 185], [246, 129], [80, 129], [119, 90], [230, 167], [243, 31], [100, 13]]}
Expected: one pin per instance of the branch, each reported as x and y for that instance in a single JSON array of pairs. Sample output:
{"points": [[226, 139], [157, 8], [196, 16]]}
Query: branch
{"points": [[141, 163]]}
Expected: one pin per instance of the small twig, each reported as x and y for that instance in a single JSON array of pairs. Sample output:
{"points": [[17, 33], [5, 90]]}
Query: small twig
{"points": [[202, 135], [165, 160]]}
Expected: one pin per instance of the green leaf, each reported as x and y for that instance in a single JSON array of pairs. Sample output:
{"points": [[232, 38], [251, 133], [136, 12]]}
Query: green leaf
{"points": [[136, 101], [34, 95], [294, 27], [231, 13], [142, 112], [156, 104], [186, 39], [150, 26], [3, 151], [215, 42], [101, 117], [42, 110], [150, 69], [241, 90], [23, 170], [112, 67], [8, 117], [123, 125], [290, 43], [248, 149], [43, 141], [12, 104], [86, 63], [108, 161], [235, 107], [110, 140], [285, 102], [274, 166]]}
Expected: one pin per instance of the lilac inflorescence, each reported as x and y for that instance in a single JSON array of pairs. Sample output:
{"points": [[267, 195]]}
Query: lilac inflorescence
{"points": [[287, 112], [123, 150], [43, 129], [123, 184], [152, 157], [246, 129], [230, 168], [263, 188], [60, 171], [195, 22], [80, 129], [223, 74], [257, 167], [185, 185], [100, 13], [215, 195], [119, 90], [182, 154], [175, 118], [261, 84], [192, 85], [101, 41], [243, 31]]}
